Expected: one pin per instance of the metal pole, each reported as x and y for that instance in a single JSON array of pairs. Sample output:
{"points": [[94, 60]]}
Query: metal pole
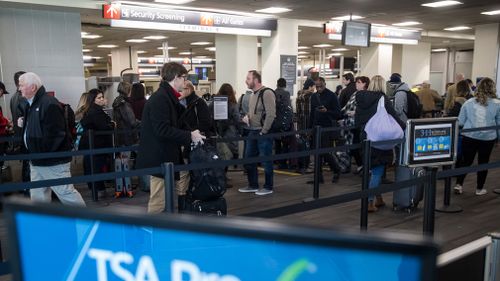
{"points": [[446, 207], [365, 184], [95, 195], [430, 201], [317, 162], [168, 177]]}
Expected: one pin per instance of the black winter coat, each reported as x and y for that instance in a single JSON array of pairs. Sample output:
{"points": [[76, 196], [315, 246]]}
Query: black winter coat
{"points": [[97, 120], [367, 102], [45, 129], [161, 138], [346, 94], [196, 116], [124, 117]]}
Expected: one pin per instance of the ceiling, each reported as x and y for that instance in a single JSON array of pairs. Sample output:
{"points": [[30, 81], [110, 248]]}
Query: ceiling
{"points": [[380, 12]]}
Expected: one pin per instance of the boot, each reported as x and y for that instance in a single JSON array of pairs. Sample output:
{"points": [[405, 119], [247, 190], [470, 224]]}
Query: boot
{"points": [[371, 207], [182, 203], [379, 201]]}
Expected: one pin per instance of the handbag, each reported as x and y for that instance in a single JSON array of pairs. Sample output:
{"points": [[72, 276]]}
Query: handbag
{"points": [[382, 126]]}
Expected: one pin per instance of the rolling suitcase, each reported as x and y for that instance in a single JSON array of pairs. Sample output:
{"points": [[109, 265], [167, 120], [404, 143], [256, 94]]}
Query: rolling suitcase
{"points": [[123, 186], [216, 207], [407, 199]]}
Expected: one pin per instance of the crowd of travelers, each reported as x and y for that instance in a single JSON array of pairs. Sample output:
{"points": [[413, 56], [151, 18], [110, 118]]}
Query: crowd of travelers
{"points": [[166, 125]]}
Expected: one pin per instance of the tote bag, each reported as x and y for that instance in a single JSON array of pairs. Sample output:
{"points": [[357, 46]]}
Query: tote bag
{"points": [[383, 126]]}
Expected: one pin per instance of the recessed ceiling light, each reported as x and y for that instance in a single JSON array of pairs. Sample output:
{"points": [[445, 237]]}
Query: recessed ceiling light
{"points": [[97, 58], [212, 49], [83, 33], [201, 57], [185, 53], [335, 54], [304, 48], [491, 13], [91, 36], [137, 41], [169, 48], [155, 37], [87, 57], [438, 50], [322, 46], [348, 17], [273, 10], [201, 43], [86, 50], [456, 28], [109, 55], [175, 2], [302, 53], [340, 50], [439, 4], [141, 52], [107, 46], [302, 57], [407, 23]]}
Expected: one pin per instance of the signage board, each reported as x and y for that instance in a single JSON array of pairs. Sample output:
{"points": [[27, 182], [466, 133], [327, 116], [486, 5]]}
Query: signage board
{"points": [[431, 142], [220, 108], [130, 16], [60, 243], [288, 71], [378, 34]]}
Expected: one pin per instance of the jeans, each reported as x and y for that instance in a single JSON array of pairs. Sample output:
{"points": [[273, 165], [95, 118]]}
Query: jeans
{"points": [[259, 147], [376, 177]]}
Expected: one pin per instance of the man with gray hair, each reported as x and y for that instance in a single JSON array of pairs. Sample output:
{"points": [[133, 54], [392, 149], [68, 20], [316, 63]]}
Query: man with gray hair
{"points": [[44, 131]]}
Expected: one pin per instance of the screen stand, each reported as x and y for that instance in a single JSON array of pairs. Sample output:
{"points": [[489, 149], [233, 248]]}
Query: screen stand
{"points": [[446, 207]]}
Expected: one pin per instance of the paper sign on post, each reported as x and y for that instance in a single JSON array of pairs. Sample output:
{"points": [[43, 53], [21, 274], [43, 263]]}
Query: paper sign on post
{"points": [[220, 108]]}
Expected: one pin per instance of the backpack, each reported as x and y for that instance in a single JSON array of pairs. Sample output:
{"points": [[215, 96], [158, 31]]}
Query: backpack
{"points": [[209, 183], [79, 133], [415, 108], [69, 117], [284, 113]]}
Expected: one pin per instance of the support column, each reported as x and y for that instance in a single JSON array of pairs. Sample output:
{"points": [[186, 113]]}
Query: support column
{"points": [[377, 60], [123, 58], [284, 41], [235, 56], [416, 63], [486, 51]]}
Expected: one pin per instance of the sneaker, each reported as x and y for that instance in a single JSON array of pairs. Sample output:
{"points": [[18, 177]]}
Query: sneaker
{"points": [[358, 170], [458, 189], [248, 189], [480, 192], [264, 191]]}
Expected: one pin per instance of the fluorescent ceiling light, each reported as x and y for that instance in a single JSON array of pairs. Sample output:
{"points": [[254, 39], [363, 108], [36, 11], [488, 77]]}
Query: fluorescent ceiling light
{"points": [[456, 28], [91, 36], [185, 53], [137, 41], [141, 52], [155, 37], [201, 43], [340, 50], [273, 10], [90, 57], [438, 50], [168, 48], [86, 50], [302, 57], [304, 48], [348, 17], [97, 58], [335, 54], [302, 53], [322, 46], [201, 57], [439, 4], [84, 33], [175, 2], [491, 13], [212, 49], [109, 46], [407, 23]]}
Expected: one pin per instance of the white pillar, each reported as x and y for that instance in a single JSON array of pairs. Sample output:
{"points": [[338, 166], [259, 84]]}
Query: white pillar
{"points": [[284, 41], [47, 43], [235, 56], [486, 51], [122, 59], [416, 63], [376, 60]]}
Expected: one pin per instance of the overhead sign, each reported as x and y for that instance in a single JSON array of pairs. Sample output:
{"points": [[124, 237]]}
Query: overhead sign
{"points": [[288, 71], [379, 34], [130, 16]]}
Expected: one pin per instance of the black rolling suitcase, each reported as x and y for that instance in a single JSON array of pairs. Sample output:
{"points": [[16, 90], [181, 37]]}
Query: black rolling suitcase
{"points": [[407, 199]]}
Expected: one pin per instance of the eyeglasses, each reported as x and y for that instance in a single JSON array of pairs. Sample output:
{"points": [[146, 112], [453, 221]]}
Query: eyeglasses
{"points": [[183, 77]]}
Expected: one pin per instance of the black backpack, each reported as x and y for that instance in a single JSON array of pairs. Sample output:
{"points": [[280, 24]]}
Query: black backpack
{"points": [[210, 183], [69, 117], [414, 106], [284, 113]]}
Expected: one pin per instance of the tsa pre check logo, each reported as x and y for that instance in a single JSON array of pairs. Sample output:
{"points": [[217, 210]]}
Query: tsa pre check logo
{"points": [[294, 270]]}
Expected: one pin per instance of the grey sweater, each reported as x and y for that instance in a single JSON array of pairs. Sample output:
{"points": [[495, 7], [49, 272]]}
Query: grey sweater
{"points": [[256, 110]]}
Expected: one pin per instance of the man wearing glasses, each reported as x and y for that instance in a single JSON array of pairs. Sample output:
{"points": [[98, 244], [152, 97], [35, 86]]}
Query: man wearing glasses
{"points": [[161, 136]]}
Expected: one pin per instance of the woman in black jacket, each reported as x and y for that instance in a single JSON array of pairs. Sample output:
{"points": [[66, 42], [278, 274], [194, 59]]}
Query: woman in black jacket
{"points": [[367, 102], [94, 118]]}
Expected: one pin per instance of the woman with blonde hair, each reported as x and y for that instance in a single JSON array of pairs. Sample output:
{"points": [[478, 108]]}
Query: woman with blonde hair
{"points": [[481, 111], [83, 106], [367, 102]]}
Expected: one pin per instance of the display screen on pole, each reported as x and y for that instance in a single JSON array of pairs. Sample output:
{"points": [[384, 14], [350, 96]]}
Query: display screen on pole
{"points": [[356, 33], [83, 244]]}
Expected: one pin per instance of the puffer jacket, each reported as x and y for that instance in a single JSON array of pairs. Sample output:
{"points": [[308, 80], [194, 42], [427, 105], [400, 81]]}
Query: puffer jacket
{"points": [[125, 120]]}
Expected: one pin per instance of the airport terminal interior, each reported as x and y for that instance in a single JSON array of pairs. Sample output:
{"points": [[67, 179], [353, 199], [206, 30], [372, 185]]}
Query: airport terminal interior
{"points": [[350, 199]]}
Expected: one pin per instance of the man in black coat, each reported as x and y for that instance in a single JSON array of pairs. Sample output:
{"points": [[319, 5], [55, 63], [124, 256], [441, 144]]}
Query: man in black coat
{"points": [[350, 88], [45, 130], [161, 138]]}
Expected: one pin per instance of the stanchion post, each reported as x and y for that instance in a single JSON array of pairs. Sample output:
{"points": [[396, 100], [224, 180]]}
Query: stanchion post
{"points": [[447, 208], [169, 181], [365, 184], [430, 201], [317, 162], [95, 195]]}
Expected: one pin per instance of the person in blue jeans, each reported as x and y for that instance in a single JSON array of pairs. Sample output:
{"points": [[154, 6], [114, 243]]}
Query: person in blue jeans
{"points": [[260, 117]]}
